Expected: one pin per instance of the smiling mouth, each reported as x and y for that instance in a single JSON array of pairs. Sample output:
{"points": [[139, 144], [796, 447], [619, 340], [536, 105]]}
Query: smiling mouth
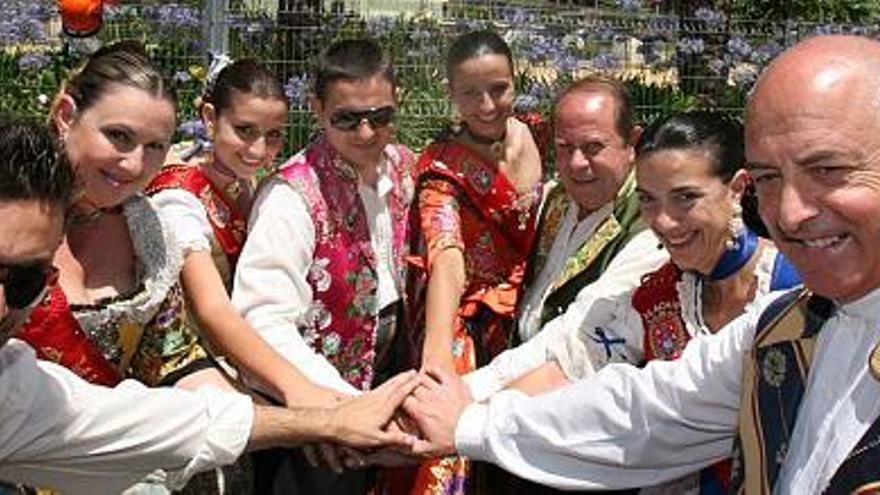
{"points": [[677, 242], [114, 180], [821, 242]]}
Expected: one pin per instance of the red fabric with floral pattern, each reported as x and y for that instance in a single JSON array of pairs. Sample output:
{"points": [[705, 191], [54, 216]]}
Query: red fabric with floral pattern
{"points": [[341, 322], [464, 202], [228, 224]]}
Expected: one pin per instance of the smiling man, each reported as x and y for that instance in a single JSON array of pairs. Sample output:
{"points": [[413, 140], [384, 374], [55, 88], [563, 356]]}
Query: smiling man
{"points": [[591, 215], [56, 430], [792, 386]]}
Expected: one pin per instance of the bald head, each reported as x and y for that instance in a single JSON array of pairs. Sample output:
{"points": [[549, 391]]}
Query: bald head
{"points": [[813, 144], [814, 70]]}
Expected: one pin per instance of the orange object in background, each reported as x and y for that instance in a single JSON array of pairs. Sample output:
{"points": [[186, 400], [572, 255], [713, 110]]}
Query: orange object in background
{"points": [[82, 17]]}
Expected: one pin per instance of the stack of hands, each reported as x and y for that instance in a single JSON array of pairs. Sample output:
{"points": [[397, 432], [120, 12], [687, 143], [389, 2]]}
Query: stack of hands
{"points": [[409, 418]]}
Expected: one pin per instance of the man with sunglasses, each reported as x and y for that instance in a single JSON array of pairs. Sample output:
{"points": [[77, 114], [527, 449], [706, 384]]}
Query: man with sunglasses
{"points": [[59, 431], [320, 275]]}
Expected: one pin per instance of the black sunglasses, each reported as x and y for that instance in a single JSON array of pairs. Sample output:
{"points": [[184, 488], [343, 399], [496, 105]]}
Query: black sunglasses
{"points": [[23, 285], [349, 120]]}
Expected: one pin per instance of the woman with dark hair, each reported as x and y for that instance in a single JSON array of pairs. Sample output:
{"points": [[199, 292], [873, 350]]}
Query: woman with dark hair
{"points": [[473, 225], [205, 194], [691, 183], [319, 275]]}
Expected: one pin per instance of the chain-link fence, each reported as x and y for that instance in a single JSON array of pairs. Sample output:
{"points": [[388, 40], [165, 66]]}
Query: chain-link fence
{"points": [[668, 62]]}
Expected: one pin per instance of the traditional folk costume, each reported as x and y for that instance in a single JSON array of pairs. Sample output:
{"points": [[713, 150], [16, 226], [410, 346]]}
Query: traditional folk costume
{"points": [[205, 217], [654, 321], [571, 253], [143, 334], [321, 274], [465, 203]]}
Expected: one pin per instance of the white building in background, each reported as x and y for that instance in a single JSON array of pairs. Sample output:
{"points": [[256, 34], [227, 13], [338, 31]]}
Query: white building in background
{"points": [[393, 8]]}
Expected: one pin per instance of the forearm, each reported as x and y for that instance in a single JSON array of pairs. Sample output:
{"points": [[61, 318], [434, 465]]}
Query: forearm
{"points": [[232, 337], [445, 286], [288, 427]]}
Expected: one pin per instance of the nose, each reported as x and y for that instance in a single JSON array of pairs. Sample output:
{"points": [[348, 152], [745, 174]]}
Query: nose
{"points": [[133, 163], [258, 148], [579, 160], [662, 222], [794, 207], [487, 104], [365, 130]]}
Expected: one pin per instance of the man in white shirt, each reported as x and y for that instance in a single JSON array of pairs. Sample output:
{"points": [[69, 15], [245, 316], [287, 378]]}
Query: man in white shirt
{"points": [[813, 142], [59, 431], [590, 225]]}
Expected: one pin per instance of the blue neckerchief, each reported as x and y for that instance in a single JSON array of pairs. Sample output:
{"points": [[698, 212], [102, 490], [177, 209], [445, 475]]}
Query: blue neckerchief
{"points": [[734, 259]]}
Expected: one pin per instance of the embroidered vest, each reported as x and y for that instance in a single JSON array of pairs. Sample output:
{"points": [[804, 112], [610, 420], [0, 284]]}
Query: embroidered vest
{"points": [[593, 257], [774, 381], [56, 336], [341, 322], [227, 223]]}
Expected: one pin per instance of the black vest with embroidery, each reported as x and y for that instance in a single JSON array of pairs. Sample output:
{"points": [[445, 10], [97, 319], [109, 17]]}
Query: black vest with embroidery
{"points": [[774, 380]]}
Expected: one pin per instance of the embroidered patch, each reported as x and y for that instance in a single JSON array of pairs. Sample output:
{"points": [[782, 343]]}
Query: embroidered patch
{"points": [[774, 368], [667, 335]]}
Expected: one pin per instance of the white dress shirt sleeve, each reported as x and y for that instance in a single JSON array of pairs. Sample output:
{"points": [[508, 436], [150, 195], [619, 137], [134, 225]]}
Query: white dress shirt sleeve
{"points": [[624, 427], [59, 431], [567, 339], [271, 290]]}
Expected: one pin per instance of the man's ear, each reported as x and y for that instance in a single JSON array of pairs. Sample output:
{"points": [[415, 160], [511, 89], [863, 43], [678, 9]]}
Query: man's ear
{"points": [[633, 139], [63, 114]]}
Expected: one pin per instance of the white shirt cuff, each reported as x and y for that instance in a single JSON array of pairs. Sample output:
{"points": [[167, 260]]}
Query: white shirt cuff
{"points": [[470, 431], [231, 418], [483, 383]]}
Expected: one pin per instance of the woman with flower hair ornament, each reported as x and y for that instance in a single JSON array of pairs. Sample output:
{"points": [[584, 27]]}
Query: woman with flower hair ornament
{"points": [[205, 192]]}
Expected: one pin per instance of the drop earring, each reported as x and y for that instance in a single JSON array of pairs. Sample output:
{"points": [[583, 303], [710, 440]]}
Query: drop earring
{"points": [[735, 226]]}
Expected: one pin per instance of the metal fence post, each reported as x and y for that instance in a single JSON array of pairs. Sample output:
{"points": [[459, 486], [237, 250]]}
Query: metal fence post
{"points": [[215, 26]]}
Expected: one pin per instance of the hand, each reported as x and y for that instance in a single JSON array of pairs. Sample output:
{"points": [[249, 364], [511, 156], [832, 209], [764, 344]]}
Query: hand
{"points": [[363, 421], [384, 457], [436, 405], [324, 455], [313, 396]]}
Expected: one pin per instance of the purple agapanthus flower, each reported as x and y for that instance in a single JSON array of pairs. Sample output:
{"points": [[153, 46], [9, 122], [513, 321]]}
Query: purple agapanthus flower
{"points": [[690, 46], [712, 18], [175, 15], [296, 89], [629, 5], [24, 22], [194, 129], [33, 61], [605, 61], [739, 48], [766, 52]]}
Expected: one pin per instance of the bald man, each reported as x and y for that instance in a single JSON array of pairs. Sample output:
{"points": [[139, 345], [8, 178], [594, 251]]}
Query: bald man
{"points": [[794, 385]]}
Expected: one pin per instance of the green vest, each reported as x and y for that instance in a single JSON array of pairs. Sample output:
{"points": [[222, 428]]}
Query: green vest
{"points": [[593, 257]]}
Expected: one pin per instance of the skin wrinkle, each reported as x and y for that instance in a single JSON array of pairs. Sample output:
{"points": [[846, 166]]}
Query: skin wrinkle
{"points": [[811, 134]]}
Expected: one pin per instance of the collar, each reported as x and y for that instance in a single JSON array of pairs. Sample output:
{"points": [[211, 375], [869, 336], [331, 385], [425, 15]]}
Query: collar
{"points": [[866, 307]]}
